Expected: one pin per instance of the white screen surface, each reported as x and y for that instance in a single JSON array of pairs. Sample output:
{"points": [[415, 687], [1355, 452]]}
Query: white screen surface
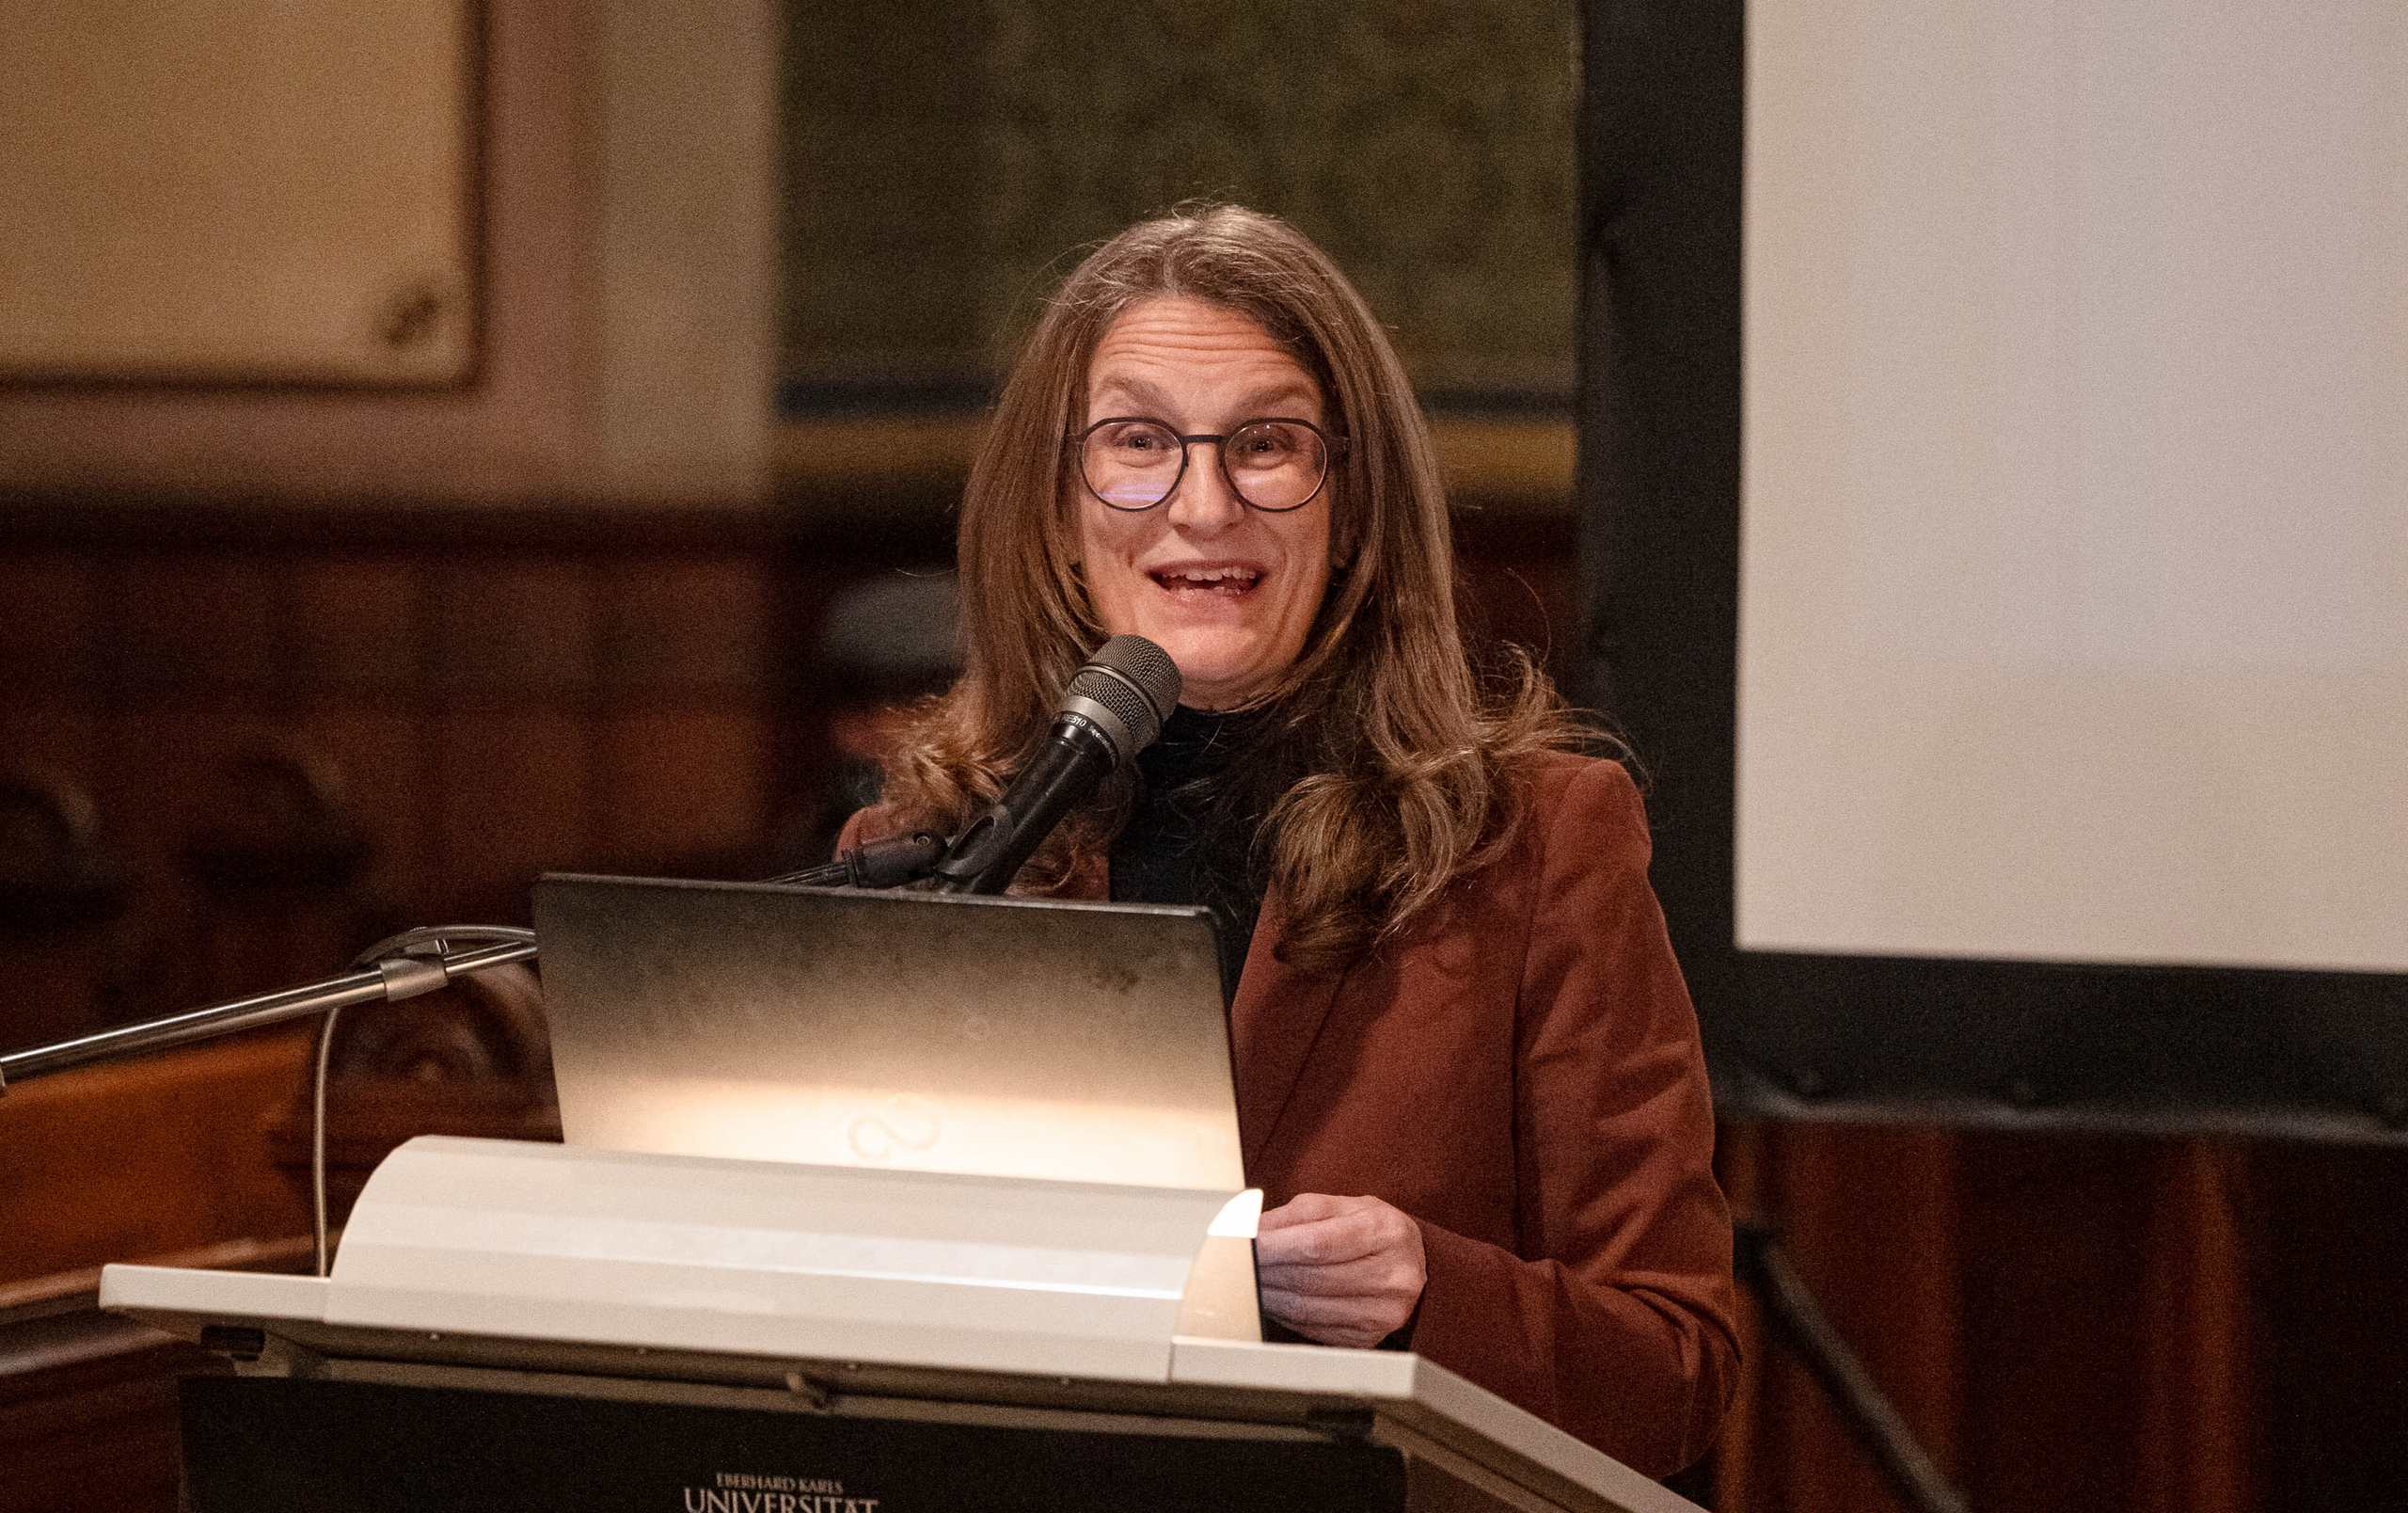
{"points": [[2074, 613]]}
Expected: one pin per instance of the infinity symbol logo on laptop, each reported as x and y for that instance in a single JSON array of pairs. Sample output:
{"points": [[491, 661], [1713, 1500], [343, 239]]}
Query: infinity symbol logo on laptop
{"points": [[875, 1140]]}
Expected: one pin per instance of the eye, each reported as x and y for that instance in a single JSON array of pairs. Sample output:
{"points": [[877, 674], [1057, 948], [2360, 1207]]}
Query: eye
{"points": [[1134, 442], [1268, 444]]}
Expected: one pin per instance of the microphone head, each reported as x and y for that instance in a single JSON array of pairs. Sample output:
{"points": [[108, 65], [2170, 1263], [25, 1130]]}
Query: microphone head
{"points": [[1132, 685]]}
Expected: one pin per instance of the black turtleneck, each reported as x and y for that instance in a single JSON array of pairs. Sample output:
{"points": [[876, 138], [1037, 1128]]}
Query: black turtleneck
{"points": [[1184, 842]]}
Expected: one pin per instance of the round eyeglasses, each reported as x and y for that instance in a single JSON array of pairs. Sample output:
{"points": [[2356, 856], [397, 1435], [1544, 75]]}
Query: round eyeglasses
{"points": [[1132, 463]]}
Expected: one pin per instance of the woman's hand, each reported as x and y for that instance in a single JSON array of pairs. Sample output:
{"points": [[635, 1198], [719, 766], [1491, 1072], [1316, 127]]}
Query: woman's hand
{"points": [[1339, 1270]]}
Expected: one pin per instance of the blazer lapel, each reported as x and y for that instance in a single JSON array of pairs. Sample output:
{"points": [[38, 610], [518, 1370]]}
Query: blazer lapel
{"points": [[1274, 1022]]}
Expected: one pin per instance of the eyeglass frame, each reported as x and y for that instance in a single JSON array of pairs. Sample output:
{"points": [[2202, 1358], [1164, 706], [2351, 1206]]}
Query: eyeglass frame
{"points": [[1334, 445]]}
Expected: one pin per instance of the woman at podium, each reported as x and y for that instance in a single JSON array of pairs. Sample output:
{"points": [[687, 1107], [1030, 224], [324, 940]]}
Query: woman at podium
{"points": [[1468, 1076]]}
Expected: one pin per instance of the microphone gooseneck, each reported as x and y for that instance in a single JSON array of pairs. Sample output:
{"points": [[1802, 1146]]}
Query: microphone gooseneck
{"points": [[1113, 709]]}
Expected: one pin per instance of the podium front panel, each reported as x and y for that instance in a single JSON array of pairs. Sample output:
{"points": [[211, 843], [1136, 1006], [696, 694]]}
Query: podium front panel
{"points": [[266, 1444]]}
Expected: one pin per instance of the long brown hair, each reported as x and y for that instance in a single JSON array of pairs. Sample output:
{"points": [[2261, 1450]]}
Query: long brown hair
{"points": [[1402, 766]]}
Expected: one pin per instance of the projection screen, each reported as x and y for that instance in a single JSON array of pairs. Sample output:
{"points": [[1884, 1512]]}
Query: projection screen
{"points": [[1994, 548], [2073, 619]]}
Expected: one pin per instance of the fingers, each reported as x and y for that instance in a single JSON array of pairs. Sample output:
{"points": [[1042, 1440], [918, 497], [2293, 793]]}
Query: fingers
{"points": [[1355, 1328], [1359, 1319], [1325, 1242], [1318, 1230], [1308, 1206], [1371, 1276], [1343, 1271]]}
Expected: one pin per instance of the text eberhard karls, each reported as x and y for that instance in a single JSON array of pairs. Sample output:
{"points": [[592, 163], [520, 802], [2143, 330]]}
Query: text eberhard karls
{"points": [[738, 1494]]}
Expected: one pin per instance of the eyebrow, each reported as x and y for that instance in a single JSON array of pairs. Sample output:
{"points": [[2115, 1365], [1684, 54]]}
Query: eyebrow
{"points": [[1145, 393]]}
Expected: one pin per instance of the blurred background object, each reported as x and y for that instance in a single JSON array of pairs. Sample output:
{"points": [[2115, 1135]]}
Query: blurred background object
{"points": [[887, 643], [64, 893]]}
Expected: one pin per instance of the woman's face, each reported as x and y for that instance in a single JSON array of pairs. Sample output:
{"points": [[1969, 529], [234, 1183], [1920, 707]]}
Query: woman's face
{"points": [[1227, 590]]}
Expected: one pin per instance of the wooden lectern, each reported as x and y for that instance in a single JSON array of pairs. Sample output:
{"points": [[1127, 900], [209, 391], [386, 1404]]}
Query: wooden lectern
{"points": [[522, 1326]]}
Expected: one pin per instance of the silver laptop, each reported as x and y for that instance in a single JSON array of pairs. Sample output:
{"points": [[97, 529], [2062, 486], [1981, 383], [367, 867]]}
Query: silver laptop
{"points": [[1009, 1037]]}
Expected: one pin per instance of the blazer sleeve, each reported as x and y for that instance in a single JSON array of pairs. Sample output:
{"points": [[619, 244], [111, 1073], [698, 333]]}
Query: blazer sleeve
{"points": [[1615, 1319]]}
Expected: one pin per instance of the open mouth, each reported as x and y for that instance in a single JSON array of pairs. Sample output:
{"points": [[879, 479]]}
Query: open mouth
{"points": [[1228, 583]]}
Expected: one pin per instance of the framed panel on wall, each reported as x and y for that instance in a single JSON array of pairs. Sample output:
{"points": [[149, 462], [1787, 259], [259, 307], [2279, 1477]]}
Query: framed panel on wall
{"points": [[239, 192]]}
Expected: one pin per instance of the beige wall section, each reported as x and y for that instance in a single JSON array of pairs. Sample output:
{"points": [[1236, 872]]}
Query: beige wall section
{"points": [[626, 308], [687, 97], [236, 189]]}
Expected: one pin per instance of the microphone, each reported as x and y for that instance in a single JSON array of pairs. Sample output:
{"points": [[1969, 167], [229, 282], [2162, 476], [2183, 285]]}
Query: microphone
{"points": [[1113, 709]]}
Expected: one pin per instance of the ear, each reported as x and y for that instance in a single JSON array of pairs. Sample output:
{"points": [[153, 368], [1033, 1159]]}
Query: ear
{"points": [[1344, 542]]}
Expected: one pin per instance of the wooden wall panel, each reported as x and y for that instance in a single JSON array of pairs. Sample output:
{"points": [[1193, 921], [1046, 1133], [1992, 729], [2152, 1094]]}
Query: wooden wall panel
{"points": [[469, 710], [43, 731], [521, 626], [47, 635], [206, 622], [2329, 1289], [169, 752], [689, 625], [515, 795], [1872, 1219], [357, 621], [682, 782], [58, 988], [144, 1158], [2202, 1397], [1515, 571], [87, 1411], [2062, 1320], [2054, 1295]]}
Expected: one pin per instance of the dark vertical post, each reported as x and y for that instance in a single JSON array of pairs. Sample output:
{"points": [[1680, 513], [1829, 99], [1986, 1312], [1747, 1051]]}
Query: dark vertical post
{"points": [[1658, 484]]}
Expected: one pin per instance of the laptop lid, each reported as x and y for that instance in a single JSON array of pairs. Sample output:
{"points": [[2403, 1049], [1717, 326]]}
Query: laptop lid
{"points": [[1010, 1037]]}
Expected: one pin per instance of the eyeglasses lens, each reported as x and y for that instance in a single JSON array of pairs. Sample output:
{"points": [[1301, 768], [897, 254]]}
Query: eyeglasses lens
{"points": [[1273, 465], [1132, 464]]}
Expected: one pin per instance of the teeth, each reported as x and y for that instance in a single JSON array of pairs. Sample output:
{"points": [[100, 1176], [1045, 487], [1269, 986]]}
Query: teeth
{"points": [[1215, 575]]}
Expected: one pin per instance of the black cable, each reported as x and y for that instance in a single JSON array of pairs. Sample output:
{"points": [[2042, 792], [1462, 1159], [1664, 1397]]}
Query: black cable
{"points": [[390, 945]]}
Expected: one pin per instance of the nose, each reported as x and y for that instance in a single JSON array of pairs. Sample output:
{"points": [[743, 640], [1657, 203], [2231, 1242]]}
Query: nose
{"points": [[1204, 502]]}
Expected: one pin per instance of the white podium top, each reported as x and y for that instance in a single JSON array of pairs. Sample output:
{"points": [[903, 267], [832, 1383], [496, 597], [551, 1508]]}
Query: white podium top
{"points": [[511, 1267], [1209, 1379]]}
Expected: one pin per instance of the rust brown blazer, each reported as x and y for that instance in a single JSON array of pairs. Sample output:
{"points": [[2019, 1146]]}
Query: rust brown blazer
{"points": [[1521, 1075]]}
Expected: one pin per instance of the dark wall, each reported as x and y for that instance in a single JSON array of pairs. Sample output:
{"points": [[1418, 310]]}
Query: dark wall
{"points": [[943, 160], [2067, 1317]]}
